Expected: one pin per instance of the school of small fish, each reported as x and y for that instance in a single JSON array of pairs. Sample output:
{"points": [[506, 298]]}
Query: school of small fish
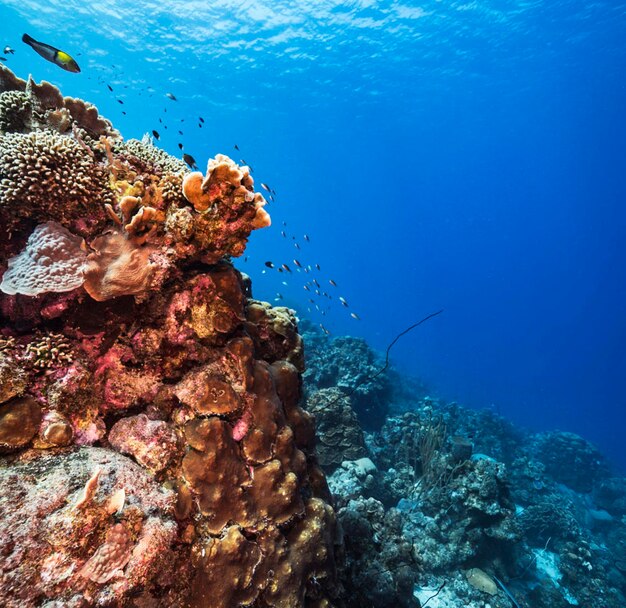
{"points": [[313, 286]]}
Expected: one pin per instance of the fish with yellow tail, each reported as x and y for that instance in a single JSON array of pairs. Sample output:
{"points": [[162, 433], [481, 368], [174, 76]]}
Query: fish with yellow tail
{"points": [[60, 58]]}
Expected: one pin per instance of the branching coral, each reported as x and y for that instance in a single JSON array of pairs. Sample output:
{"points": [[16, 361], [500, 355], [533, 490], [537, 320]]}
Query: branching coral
{"points": [[48, 176], [49, 351]]}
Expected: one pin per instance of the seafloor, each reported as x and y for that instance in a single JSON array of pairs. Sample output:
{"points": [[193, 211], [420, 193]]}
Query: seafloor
{"points": [[168, 441]]}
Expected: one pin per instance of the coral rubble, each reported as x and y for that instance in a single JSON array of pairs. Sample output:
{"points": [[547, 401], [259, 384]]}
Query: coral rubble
{"points": [[152, 447]]}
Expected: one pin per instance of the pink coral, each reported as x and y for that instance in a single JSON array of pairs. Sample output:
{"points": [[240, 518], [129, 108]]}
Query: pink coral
{"points": [[109, 558], [152, 442]]}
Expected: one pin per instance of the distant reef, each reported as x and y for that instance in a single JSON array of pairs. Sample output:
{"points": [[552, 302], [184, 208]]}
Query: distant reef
{"points": [[443, 506], [167, 441]]}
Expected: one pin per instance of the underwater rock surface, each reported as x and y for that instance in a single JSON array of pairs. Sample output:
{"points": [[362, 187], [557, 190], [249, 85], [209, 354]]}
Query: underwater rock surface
{"points": [[152, 447]]}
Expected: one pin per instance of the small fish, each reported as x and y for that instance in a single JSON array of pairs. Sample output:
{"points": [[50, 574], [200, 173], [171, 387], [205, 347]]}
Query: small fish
{"points": [[286, 267], [307, 270], [343, 301], [120, 102], [165, 110], [190, 160], [297, 263], [8, 51], [272, 198], [284, 223], [123, 112], [317, 284], [306, 237], [280, 270], [110, 87], [317, 266], [3, 58], [171, 96], [52, 54], [284, 283], [307, 287], [312, 301], [296, 246], [160, 120], [269, 264], [355, 316], [279, 296], [317, 292], [332, 282], [265, 187], [283, 233], [180, 132], [180, 146], [325, 330], [236, 147], [156, 134], [200, 125], [201, 119]]}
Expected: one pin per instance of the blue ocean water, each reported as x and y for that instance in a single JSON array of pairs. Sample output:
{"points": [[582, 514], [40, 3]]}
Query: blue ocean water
{"points": [[460, 155]]}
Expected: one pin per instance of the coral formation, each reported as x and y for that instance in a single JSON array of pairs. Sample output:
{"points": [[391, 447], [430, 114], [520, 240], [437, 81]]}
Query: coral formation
{"points": [[53, 260], [456, 507], [339, 435], [349, 363], [154, 452]]}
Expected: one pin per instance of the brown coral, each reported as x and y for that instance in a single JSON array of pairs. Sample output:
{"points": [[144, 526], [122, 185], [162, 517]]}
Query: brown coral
{"points": [[19, 421], [198, 386], [117, 267]]}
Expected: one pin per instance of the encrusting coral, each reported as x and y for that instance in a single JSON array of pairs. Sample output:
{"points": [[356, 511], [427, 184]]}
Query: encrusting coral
{"points": [[151, 435]]}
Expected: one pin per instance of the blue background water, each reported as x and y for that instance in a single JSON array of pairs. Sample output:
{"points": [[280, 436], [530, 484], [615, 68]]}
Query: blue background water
{"points": [[460, 155]]}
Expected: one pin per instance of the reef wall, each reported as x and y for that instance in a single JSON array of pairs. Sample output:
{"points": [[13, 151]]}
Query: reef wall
{"points": [[152, 449]]}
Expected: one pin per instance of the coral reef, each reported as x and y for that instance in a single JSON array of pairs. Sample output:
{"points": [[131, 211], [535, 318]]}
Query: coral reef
{"points": [[458, 508], [346, 363], [153, 449], [339, 436]]}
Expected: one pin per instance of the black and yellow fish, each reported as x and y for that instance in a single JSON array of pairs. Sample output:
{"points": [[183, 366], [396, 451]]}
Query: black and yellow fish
{"points": [[60, 58]]}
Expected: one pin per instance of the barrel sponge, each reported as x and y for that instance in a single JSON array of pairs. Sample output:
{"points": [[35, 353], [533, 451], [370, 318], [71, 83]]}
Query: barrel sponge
{"points": [[50, 176], [52, 261]]}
